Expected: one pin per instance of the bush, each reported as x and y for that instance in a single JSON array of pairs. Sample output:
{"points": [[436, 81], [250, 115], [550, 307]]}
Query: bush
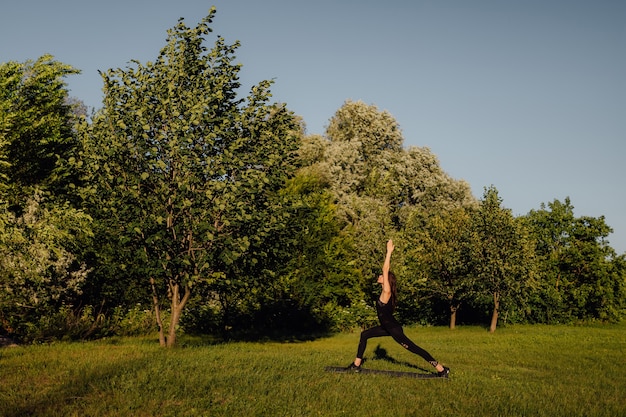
{"points": [[69, 323], [359, 314]]}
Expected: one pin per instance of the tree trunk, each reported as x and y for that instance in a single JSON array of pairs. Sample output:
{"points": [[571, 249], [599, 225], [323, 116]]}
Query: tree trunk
{"points": [[453, 310], [157, 312], [496, 309], [177, 308]]}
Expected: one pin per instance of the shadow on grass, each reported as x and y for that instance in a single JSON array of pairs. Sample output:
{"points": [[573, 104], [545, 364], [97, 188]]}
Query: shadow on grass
{"points": [[276, 321], [275, 335], [79, 388], [380, 354]]}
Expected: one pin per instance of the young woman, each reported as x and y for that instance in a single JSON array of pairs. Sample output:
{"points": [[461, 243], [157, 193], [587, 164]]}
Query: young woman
{"points": [[389, 326]]}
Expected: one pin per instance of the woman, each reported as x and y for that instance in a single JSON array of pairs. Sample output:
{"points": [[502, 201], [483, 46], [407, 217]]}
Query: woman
{"points": [[389, 326]]}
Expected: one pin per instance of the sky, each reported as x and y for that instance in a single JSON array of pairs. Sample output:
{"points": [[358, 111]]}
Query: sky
{"points": [[527, 96]]}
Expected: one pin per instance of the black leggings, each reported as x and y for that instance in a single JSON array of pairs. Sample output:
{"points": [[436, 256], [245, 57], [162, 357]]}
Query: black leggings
{"points": [[398, 335]]}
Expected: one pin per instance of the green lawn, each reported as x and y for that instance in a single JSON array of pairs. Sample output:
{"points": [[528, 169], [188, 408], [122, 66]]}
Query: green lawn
{"points": [[518, 371]]}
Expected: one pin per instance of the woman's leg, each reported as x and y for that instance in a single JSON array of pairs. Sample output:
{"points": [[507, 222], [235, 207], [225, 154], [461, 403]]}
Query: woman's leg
{"points": [[398, 335], [377, 331]]}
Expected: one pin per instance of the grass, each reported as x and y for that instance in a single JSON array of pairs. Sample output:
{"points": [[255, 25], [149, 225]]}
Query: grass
{"points": [[518, 371]]}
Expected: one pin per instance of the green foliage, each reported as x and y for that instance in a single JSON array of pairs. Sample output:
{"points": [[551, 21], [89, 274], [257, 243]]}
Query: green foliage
{"points": [[39, 272], [137, 320], [375, 131], [382, 191], [42, 236], [440, 253], [359, 315], [364, 157], [187, 174], [502, 254], [320, 272], [581, 276], [4, 163], [35, 125]]}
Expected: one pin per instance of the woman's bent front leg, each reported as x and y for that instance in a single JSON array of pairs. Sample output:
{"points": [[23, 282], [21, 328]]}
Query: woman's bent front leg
{"points": [[377, 331]]}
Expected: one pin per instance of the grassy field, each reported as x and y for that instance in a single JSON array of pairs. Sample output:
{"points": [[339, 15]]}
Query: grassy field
{"points": [[518, 371]]}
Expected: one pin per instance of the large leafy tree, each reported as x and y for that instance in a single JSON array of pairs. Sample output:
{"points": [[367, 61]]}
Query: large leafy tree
{"points": [[502, 253], [368, 166], [378, 185], [365, 157], [185, 173], [580, 276], [360, 137]]}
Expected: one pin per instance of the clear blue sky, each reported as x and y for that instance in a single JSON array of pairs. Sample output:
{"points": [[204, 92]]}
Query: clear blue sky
{"points": [[529, 96]]}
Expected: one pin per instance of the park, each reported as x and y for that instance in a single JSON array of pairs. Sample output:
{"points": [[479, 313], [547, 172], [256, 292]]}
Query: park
{"points": [[187, 251]]}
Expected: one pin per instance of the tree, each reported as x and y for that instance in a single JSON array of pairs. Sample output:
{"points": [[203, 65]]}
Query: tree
{"points": [[4, 166], [186, 173], [42, 235], [36, 125], [372, 130], [502, 253], [378, 185], [365, 157], [579, 273], [441, 253], [319, 275]]}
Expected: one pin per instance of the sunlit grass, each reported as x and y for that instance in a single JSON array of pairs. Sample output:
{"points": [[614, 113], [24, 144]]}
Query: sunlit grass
{"points": [[518, 371]]}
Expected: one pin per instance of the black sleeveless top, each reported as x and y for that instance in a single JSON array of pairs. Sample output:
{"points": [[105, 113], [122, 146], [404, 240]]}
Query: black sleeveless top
{"points": [[385, 314]]}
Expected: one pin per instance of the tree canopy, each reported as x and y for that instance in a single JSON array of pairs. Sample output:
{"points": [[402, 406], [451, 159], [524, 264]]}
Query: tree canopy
{"points": [[184, 205], [185, 171], [35, 124]]}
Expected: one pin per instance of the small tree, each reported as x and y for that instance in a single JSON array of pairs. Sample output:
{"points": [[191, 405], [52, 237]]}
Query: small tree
{"points": [[441, 252], [502, 253], [185, 172], [319, 275]]}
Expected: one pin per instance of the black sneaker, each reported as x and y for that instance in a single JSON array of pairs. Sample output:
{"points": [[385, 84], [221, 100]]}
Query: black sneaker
{"points": [[445, 373], [352, 367]]}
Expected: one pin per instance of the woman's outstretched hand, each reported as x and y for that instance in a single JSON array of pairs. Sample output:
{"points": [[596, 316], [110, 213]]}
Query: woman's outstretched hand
{"points": [[390, 246]]}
